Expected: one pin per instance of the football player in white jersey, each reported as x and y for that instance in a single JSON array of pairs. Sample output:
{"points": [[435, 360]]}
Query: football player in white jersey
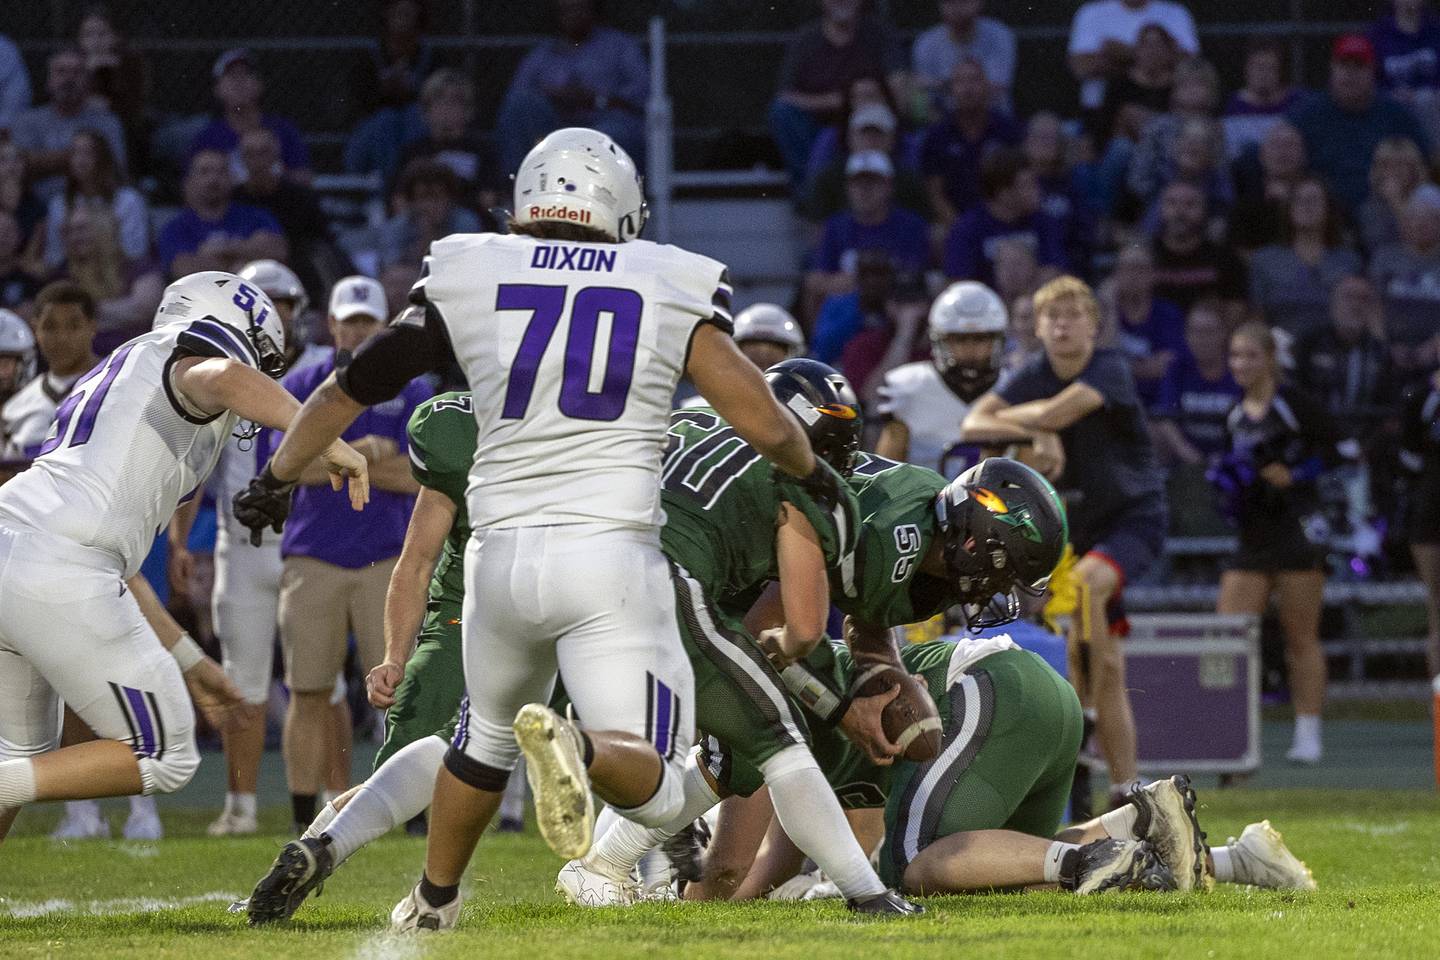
{"points": [[924, 402], [572, 333], [135, 436], [64, 329]]}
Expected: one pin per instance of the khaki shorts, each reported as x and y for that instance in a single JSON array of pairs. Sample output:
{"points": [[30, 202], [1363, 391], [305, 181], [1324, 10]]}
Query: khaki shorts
{"points": [[320, 606]]}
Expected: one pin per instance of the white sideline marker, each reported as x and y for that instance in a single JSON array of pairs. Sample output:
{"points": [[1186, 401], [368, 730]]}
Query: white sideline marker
{"points": [[23, 910]]}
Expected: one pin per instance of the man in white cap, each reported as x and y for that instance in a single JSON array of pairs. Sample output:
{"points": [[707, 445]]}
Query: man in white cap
{"points": [[336, 569], [871, 220]]}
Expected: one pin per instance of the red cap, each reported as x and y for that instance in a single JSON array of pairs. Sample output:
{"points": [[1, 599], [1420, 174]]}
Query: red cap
{"points": [[1353, 48]]}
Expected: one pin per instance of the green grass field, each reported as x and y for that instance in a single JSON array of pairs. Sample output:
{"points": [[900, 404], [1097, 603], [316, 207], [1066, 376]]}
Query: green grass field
{"points": [[1376, 855]]}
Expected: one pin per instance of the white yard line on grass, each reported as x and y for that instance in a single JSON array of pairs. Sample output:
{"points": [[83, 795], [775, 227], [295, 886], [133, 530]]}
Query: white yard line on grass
{"points": [[21, 909], [389, 945]]}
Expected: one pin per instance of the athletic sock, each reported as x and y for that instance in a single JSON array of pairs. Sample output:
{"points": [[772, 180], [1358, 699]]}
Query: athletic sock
{"points": [[400, 789], [436, 895], [302, 807], [1225, 864], [620, 849], [17, 782], [1120, 822], [808, 811], [1055, 859], [143, 806], [241, 804], [322, 820]]}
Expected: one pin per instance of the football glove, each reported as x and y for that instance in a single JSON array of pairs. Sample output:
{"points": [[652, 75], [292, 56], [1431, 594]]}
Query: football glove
{"points": [[265, 502], [823, 484]]}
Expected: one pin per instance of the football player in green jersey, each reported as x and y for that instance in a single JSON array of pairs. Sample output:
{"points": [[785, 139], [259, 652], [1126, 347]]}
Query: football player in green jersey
{"points": [[727, 535], [717, 493], [986, 813]]}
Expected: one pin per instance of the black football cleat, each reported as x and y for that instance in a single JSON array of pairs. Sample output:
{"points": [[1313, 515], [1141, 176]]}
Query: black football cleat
{"points": [[888, 903], [1109, 866], [302, 866]]}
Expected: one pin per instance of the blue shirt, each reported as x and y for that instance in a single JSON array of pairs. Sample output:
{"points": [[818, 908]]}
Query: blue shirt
{"points": [[904, 235], [840, 319], [1197, 404], [946, 153], [186, 232], [1407, 61], [322, 525], [971, 244], [1340, 144]]}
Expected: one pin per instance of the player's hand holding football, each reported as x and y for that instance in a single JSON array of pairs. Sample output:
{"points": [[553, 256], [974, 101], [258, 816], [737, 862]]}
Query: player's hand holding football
{"points": [[863, 723], [381, 682], [344, 463], [218, 699]]}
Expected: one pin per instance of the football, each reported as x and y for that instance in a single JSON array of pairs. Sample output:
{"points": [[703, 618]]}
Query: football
{"points": [[910, 720]]}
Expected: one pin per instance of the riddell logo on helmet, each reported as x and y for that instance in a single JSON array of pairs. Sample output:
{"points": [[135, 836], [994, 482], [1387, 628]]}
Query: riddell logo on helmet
{"points": [[560, 213]]}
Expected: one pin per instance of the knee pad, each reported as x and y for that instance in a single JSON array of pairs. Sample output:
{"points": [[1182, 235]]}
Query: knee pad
{"points": [[664, 804], [472, 772], [795, 757], [170, 769]]}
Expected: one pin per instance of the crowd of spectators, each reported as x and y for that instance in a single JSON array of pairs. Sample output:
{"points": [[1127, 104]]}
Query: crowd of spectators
{"points": [[1191, 207]]}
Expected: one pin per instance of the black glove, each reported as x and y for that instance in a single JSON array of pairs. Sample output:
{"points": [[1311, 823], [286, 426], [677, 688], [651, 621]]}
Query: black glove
{"points": [[265, 502]]}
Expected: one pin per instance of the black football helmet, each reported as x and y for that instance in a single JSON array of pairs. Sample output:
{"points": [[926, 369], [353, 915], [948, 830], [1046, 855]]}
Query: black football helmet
{"points": [[827, 407], [1004, 530]]}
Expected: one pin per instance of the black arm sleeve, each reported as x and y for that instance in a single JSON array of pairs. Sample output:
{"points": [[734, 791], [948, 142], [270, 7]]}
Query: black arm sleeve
{"points": [[414, 343]]}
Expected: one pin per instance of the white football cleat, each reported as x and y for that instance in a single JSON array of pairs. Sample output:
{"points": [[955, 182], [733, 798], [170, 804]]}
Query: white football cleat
{"points": [[230, 824], [414, 914], [585, 886], [1263, 860], [1307, 751], [555, 767], [82, 821]]}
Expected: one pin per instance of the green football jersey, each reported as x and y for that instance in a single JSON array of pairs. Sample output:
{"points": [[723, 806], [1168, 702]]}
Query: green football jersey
{"points": [[884, 586], [721, 501], [442, 434]]}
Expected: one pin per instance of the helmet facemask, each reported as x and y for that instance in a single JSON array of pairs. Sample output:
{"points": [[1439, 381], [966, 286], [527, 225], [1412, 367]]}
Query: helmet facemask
{"points": [[968, 381]]}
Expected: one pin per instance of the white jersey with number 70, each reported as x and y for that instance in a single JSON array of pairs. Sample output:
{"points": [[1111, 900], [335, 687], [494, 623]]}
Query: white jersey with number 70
{"points": [[572, 351]]}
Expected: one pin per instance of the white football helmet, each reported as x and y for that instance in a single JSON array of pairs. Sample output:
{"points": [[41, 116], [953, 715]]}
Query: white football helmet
{"points": [[581, 176], [278, 281], [766, 321], [16, 340], [966, 308], [233, 303]]}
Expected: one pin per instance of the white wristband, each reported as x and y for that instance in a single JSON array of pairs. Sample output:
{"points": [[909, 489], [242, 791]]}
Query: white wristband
{"points": [[186, 652]]}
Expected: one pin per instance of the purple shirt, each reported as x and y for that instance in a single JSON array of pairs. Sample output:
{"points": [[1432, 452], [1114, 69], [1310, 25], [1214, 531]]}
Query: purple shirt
{"points": [[946, 153], [219, 135], [322, 526], [186, 232], [1407, 61], [1197, 405], [904, 235], [971, 244]]}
